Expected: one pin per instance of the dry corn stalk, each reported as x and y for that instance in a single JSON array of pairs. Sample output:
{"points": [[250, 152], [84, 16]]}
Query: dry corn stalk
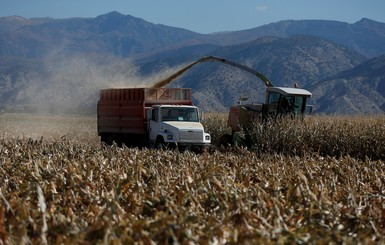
{"points": [[69, 190]]}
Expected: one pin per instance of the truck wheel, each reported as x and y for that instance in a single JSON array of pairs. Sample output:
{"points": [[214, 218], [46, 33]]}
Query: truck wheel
{"points": [[159, 143]]}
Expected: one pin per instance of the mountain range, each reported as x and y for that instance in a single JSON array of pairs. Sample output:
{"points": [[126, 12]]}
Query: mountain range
{"points": [[58, 65]]}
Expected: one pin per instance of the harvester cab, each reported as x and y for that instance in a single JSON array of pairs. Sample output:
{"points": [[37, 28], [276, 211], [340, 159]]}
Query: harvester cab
{"points": [[279, 102], [283, 100]]}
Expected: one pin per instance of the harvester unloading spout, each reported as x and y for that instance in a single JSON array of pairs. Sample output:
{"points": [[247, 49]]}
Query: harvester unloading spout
{"points": [[213, 59]]}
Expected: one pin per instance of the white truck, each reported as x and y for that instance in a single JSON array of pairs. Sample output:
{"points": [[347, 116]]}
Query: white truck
{"points": [[160, 117]]}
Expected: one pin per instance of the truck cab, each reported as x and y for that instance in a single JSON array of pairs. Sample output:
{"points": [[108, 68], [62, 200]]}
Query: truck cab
{"points": [[170, 125]]}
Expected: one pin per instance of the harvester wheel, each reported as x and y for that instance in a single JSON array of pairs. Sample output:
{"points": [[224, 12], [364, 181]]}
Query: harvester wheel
{"points": [[226, 140]]}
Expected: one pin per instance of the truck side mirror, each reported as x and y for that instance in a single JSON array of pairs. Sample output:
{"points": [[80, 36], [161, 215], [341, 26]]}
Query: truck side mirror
{"points": [[202, 117]]}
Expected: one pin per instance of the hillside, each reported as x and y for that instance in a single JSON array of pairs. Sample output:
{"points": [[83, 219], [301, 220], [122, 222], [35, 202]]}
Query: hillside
{"points": [[357, 90]]}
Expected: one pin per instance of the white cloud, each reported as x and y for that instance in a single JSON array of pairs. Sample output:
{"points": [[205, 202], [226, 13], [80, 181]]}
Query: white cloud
{"points": [[261, 8]]}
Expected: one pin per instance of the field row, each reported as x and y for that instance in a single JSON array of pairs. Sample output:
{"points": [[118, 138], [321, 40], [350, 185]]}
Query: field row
{"points": [[359, 137], [69, 192], [68, 188]]}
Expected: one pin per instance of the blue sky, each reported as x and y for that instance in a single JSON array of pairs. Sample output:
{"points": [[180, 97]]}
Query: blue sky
{"points": [[204, 16]]}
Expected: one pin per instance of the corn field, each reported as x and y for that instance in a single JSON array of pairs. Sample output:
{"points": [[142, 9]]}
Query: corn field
{"points": [[318, 181]]}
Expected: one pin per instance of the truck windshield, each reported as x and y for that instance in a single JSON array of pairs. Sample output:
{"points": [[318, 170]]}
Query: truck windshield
{"points": [[179, 114]]}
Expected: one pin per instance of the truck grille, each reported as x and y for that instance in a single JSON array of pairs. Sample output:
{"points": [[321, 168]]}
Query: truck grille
{"points": [[191, 135]]}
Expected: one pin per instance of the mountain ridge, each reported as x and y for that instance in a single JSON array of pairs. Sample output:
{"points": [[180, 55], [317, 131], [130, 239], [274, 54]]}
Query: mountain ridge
{"points": [[352, 34], [140, 35], [37, 55]]}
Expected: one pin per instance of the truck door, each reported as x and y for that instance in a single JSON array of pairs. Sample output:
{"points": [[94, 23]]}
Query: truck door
{"points": [[154, 124]]}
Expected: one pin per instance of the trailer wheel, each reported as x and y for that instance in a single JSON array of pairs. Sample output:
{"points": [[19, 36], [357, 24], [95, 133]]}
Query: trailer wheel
{"points": [[107, 138]]}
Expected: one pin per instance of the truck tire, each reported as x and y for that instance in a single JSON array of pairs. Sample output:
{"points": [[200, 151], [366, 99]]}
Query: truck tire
{"points": [[159, 143]]}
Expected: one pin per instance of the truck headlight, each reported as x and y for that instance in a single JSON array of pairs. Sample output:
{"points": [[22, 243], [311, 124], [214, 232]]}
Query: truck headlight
{"points": [[169, 137], [207, 137]]}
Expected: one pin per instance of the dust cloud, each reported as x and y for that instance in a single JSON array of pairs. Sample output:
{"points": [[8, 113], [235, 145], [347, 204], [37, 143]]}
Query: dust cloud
{"points": [[72, 84]]}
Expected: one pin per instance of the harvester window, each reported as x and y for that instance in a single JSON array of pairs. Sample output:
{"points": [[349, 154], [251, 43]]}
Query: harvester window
{"points": [[287, 104], [298, 105], [273, 97], [291, 104]]}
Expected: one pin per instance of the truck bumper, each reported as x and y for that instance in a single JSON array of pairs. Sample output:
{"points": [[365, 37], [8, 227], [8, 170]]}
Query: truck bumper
{"points": [[193, 147]]}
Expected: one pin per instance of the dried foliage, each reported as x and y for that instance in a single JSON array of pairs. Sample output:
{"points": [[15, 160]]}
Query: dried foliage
{"points": [[359, 137], [74, 190]]}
